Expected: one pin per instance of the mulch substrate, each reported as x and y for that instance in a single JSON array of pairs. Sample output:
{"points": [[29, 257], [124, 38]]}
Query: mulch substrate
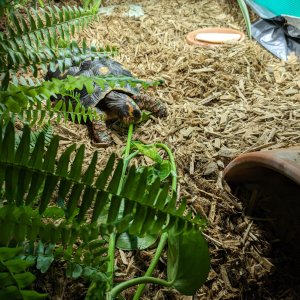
{"points": [[222, 102]]}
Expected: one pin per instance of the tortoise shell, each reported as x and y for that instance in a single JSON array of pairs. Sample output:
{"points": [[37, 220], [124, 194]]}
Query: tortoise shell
{"points": [[97, 67]]}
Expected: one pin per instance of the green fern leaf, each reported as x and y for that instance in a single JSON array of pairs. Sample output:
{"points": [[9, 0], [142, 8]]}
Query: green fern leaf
{"points": [[62, 170], [41, 46], [74, 200], [14, 277], [113, 213], [16, 23], [38, 152], [25, 28], [163, 195], [131, 209], [49, 161], [115, 181], [75, 172], [89, 175], [50, 184], [5, 80], [100, 203], [160, 220], [104, 175], [147, 222], [140, 216], [87, 200], [8, 145]]}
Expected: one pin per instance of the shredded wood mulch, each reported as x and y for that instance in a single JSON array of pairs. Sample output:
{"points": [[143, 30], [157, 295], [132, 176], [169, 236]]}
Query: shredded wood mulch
{"points": [[222, 102]]}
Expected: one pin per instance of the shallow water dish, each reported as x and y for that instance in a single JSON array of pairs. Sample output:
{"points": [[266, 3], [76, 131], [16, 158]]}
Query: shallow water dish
{"points": [[212, 37]]}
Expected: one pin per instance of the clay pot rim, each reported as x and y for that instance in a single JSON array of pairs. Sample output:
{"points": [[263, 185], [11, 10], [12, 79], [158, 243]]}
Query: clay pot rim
{"points": [[192, 41], [267, 159]]}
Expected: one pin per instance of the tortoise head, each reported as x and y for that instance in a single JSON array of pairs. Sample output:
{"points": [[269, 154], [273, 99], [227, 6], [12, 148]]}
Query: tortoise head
{"points": [[119, 105], [130, 112]]}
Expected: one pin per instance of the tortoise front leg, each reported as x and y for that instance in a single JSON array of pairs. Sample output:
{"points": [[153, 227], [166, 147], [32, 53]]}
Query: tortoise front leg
{"points": [[151, 104], [99, 131]]}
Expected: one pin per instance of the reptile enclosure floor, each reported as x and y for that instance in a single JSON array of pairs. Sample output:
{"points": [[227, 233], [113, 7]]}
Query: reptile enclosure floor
{"points": [[222, 102]]}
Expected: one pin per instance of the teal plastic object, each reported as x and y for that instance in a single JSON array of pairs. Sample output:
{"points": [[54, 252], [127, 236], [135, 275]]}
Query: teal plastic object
{"points": [[283, 7]]}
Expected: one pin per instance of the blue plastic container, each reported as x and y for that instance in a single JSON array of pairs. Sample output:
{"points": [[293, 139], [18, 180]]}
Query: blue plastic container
{"points": [[287, 7]]}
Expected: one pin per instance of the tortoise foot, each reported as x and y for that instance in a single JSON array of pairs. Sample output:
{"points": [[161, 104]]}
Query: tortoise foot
{"points": [[100, 134], [157, 107]]}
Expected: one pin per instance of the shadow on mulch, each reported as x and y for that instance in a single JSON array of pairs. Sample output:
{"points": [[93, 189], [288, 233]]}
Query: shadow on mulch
{"points": [[55, 283], [275, 210]]}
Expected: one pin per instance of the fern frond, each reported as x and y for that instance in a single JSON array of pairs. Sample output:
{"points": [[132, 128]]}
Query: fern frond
{"points": [[85, 254], [54, 22], [45, 37], [47, 129], [79, 245], [15, 280], [30, 59], [27, 81], [14, 54], [139, 208], [26, 224], [43, 111], [17, 97]]}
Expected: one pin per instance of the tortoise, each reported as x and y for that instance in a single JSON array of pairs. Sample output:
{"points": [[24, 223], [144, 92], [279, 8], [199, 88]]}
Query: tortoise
{"points": [[117, 103]]}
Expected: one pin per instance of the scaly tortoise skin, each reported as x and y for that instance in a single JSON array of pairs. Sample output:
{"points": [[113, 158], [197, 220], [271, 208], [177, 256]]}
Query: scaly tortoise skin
{"points": [[118, 103]]}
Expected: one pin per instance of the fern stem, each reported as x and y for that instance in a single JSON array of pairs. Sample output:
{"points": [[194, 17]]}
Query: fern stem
{"points": [[129, 158], [111, 255], [127, 284], [112, 237], [164, 236], [173, 164], [162, 242], [128, 143]]}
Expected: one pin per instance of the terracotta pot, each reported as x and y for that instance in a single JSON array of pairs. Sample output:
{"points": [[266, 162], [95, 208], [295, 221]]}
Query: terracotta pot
{"points": [[250, 167], [268, 183], [274, 172], [191, 37]]}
